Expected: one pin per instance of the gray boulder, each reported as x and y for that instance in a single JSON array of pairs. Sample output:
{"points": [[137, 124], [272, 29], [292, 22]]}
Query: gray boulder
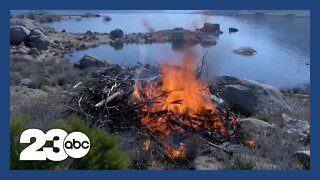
{"points": [[88, 61], [255, 123], [303, 157], [250, 97], [37, 39], [254, 128], [18, 34], [211, 28]]}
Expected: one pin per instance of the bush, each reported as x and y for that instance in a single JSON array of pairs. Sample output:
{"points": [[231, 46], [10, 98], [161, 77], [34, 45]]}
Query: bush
{"points": [[103, 153], [48, 73], [17, 126], [241, 164]]}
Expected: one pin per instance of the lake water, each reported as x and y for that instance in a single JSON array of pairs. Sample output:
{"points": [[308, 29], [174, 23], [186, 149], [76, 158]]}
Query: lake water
{"points": [[282, 44]]}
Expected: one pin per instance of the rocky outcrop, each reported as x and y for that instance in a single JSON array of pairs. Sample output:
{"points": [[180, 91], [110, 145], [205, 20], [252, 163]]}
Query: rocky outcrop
{"points": [[296, 126], [18, 34], [37, 39], [211, 28], [248, 51], [89, 61], [250, 97], [184, 37]]}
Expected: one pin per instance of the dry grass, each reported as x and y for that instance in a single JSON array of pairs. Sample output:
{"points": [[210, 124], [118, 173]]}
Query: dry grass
{"points": [[48, 73]]}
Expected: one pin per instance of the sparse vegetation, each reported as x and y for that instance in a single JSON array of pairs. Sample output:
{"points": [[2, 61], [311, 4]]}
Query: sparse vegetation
{"points": [[303, 89], [41, 17], [242, 164], [48, 73]]}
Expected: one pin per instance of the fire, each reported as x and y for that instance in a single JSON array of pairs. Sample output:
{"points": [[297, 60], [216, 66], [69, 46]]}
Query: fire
{"points": [[178, 104], [173, 153], [146, 144], [251, 143]]}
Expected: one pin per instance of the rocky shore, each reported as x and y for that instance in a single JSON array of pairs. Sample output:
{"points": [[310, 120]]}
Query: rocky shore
{"points": [[30, 37]]}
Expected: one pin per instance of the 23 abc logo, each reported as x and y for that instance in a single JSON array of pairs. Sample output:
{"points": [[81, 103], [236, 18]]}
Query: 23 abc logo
{"points": [[75, 145]]}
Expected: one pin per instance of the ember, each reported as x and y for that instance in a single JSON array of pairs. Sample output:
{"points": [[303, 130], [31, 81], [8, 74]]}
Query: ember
{"points": [[251, 143]]}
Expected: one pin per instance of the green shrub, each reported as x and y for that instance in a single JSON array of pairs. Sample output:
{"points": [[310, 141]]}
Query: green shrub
{"points": [[103, 153], [242, 164], [17, 125]]}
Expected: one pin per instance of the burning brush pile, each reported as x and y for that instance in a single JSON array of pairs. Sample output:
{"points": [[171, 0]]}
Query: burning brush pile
{"points": [[167, 108]]}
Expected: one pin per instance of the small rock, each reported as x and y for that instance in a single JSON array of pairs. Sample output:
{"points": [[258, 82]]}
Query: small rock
{"points": [[26, 82], [248, 51], [63, 30], [106, 18], [232, 29]]}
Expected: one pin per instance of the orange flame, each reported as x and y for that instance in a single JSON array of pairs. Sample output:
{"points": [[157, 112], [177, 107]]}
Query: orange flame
{"points": [[173, 153], [178, 104], [146, 144]]}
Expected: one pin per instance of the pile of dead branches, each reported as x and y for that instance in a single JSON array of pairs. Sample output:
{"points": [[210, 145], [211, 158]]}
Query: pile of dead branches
{"points": [[104, 97]]}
